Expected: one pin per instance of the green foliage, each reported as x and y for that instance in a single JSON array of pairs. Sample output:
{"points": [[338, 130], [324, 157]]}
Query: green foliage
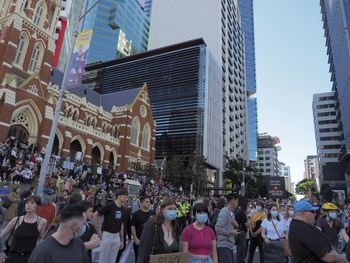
{"points": [[184, 171], [326, 192], [305, 186], [141, 170], [255, 183]]}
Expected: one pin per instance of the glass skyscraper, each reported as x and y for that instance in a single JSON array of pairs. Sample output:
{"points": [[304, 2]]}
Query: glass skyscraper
{"points": [[120, 28], [336, 23], [247, 20]]}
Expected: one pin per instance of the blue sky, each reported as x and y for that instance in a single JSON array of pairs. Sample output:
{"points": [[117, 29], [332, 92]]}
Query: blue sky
{"points": [[291, 66]]}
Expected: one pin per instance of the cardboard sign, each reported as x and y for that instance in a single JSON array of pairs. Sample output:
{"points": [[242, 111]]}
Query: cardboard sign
{"points": [[169, 258], [68, 165]]}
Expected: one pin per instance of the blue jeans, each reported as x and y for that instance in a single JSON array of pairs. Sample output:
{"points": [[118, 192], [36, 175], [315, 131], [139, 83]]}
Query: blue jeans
{"points": [[200, 260]]}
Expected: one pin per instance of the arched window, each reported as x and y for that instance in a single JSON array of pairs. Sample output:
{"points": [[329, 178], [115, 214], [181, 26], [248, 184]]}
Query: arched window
{"points": [[116, 132], [37, 56], [135, 129], [21, 49], [75, 115], [93, 122], [146, 136], [23, 6], [104, 127], [88, 122], [39, 10], [69, 114]]}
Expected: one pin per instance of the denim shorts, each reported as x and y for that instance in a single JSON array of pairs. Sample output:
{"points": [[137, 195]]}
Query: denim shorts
{"points": [[200, 260]]}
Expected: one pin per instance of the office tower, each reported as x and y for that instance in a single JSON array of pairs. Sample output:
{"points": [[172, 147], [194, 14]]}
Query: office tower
{"points": [[247, 19], [329, 139], [148, 7], [120, 28], [181, 82], [336, 24], [68, 22], [285, 172], [311, 167], [267, 162], [219, 24], [252, 128]]}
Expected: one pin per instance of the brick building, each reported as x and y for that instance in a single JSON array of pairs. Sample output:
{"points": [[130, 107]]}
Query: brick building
{"points": [[115, 130]]}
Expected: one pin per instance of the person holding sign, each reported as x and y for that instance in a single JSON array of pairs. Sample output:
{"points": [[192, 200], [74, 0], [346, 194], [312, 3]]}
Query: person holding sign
{"points": [[198, 239], [161, 235]]}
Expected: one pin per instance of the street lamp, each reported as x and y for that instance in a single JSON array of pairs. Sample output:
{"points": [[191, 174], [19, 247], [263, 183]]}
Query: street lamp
{"points": [[48, 151]]}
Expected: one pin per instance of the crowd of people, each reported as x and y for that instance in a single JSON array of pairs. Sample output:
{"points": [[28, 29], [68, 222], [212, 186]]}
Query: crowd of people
{"points": [[92, 219]]}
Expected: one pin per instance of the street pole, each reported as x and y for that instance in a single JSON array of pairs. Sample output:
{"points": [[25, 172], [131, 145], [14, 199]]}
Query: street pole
{"points": [[48, 151], [243, 180]]}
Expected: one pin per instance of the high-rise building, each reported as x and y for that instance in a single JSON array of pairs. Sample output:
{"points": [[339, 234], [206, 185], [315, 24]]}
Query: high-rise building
{"points": [[247, 19], [219, 24], [329, 139], [120, 28], [336, 24], [285, 172], [148, 7], [185, 94], [311, 167], [268, 162], [252, 129]]}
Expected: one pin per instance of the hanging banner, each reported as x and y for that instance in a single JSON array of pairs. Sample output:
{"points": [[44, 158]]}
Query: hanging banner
{"points": [[78, 59]]}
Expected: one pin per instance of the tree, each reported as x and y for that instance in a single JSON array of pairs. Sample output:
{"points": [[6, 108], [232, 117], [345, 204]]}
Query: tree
{"points": [[238, 172], [184, 171], [326, 192], [305, 186]]}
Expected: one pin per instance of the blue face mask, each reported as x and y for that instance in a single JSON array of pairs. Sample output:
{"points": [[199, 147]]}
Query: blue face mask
{"points": [[274, 213], [82, 231], [170, 215], [333, 215], [202, 218]]}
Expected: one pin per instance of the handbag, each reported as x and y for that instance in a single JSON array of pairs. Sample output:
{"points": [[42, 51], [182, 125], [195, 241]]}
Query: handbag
{"points": [[9, 240], [284, 242]]}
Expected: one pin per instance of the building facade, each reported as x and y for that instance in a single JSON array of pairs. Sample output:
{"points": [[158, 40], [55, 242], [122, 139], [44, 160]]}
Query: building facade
{"points": [[148, 7], [336, 24], [329, 140], [180, 79], [311, 167], [247, 18], [219, 24], [120, 28], [114, 133], [268, 162], [285, 172]]}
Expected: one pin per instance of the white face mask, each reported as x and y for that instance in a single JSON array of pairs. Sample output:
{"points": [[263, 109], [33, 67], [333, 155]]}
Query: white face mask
{"points": [[258, 208]]}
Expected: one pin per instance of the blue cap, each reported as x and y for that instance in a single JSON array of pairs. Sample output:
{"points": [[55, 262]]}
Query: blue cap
{"points": [[304, 206]]}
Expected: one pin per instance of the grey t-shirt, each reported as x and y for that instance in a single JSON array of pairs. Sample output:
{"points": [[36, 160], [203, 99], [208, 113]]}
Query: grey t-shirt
{"points": [[50, 251]]}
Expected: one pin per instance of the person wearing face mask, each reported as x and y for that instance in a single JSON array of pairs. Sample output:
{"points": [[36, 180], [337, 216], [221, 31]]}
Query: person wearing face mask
{"points": [[199, 239], [63, 245], [331, 225], [255, 232], [273, 231], [307, 242], [88, 232], [161, 234]]}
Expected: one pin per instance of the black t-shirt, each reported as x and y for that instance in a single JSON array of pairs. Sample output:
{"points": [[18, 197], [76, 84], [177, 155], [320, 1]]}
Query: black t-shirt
{"points": [[50, 251], [86, 236], [139, 218], [307, 243], [241, 219], [114, 216]]}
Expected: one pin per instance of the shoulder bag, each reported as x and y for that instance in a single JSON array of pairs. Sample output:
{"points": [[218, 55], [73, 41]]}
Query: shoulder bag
{"points": [[284, 242]]}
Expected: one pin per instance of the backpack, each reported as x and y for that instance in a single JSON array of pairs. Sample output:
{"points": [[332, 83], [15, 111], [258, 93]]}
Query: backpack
{"points": [[6, 202]]}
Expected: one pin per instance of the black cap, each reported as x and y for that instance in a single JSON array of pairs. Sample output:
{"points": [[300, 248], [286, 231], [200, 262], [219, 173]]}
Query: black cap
{"points": [[121, 191]]}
